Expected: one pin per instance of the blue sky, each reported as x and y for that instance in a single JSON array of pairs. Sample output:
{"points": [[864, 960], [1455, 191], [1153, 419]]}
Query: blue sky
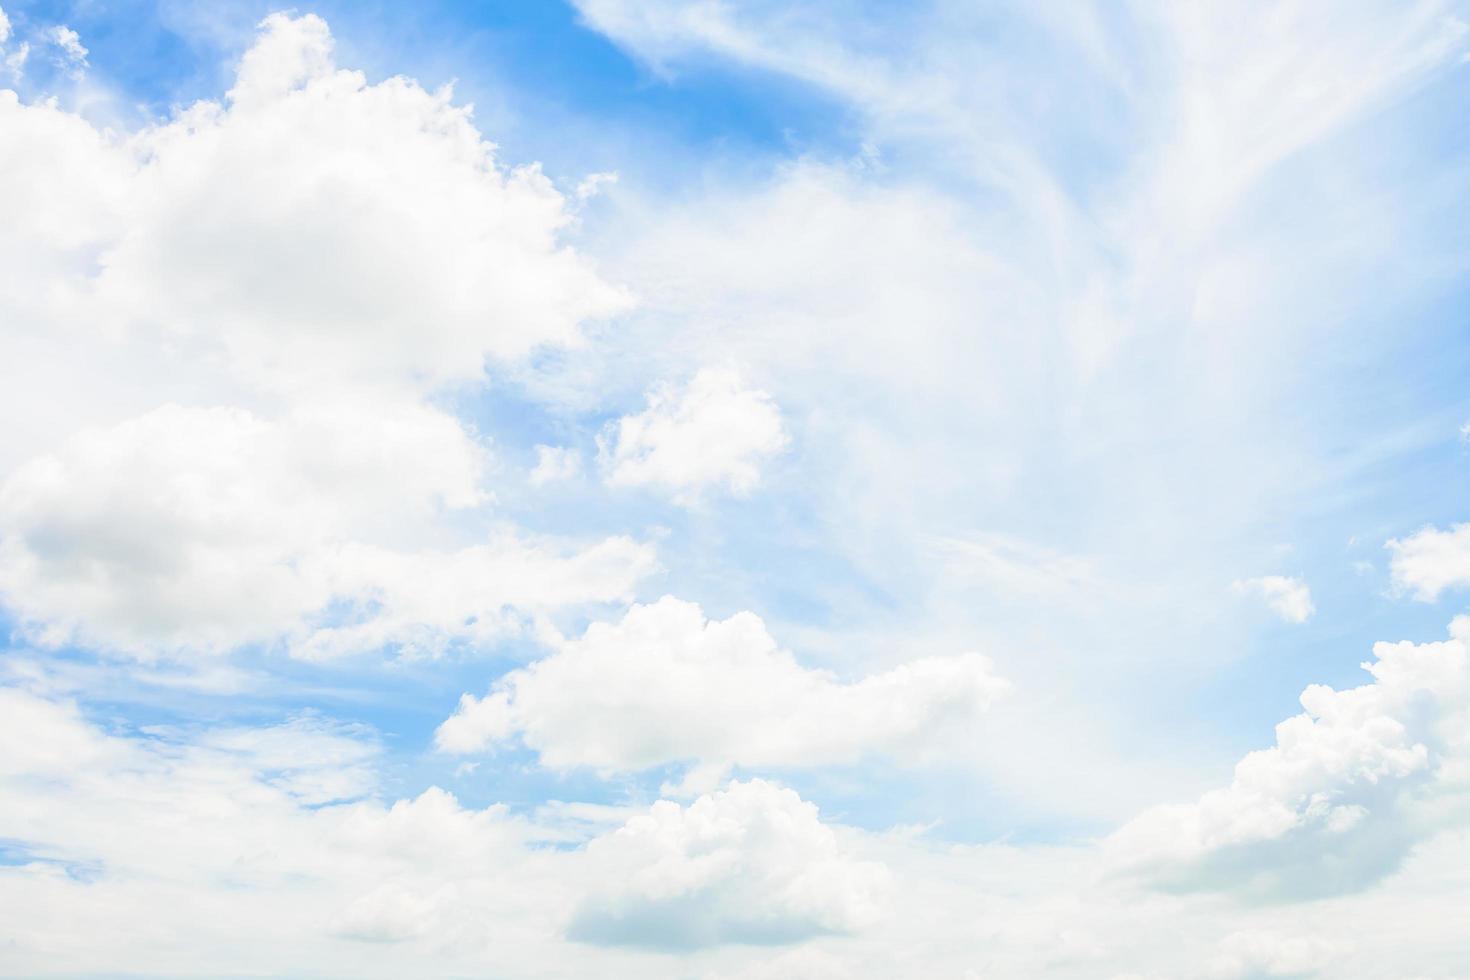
{"points": [[765, 471]]}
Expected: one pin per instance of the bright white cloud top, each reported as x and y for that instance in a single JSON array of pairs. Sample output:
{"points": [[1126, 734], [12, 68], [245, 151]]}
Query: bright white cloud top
{"points": [[714, 432], [782, 533]]}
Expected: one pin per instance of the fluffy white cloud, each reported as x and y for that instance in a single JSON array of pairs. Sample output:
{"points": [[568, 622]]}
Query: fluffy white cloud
{"points": [[555, 463], [316, 258], [1350, 786], [71, 54], [1430, 561], [189, 530], [665, 685], [321, 229], [180, 846], [1289, 598], [752, 863], [714, 432], [209, 839]]}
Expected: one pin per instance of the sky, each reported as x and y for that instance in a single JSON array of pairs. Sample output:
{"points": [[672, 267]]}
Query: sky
{"points": [[725, 489]]}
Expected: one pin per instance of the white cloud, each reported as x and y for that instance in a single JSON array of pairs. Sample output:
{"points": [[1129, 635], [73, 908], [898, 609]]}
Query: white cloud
{"points": [[1350, 786], [201, 530], [213, 838], [1430, 561], [752, 864], [554, 464], [72, 56], [713, 432], [4, 26], [178, 846], [310, 232], [310, 759], [665, 685], [315, 233], [316, 258], [323, 229], [15, 61], [1289, 598]]}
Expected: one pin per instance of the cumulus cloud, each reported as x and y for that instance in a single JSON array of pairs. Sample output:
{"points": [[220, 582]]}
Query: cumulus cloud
{"points": [[218, 835], [1289, 598], [752, 863], [321, 230], [1350, 786], [713, 432], [1430, 561], [320, 257], [665, 685], [179, 844], [202, 530]]}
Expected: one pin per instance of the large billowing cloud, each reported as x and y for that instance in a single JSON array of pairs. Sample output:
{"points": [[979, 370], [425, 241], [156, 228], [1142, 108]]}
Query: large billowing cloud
{"points": [[311, 228], [202, 530], [1041, 342], [184, 845], [1351, 785], [317, 228], [315, 257], [666, 685]]}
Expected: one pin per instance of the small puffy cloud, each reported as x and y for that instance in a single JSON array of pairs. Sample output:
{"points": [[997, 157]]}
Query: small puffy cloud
{"points": [[1349, 787], [1430, 561], [665, 685], [752, 864], [713, 432], [1289, 598], [71, 55], [554, 464], [4, 26], [202, 530]]}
